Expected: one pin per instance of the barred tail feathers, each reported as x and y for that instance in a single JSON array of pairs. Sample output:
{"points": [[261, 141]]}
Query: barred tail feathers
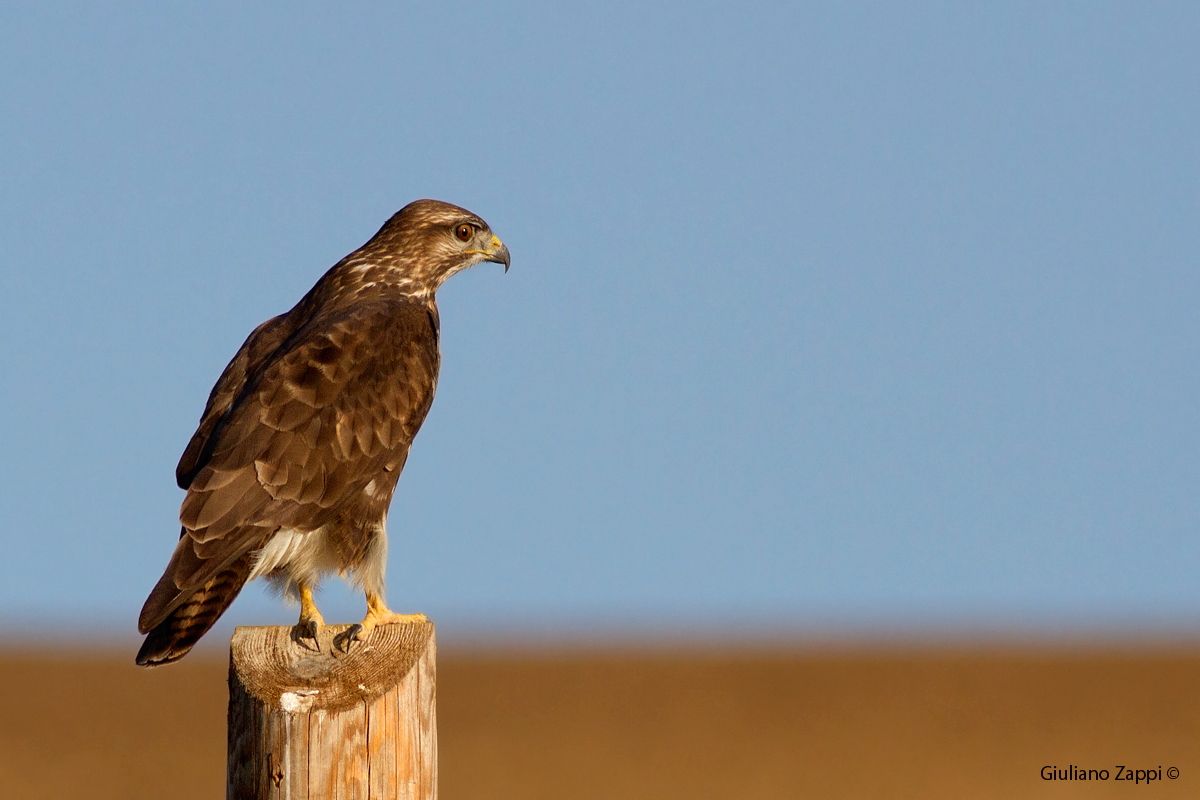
{"points": [[172, 639]]}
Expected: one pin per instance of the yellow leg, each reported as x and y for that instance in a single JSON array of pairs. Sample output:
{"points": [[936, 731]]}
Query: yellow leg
{"points": [[379, 614], [311, 621], [308, 609]]}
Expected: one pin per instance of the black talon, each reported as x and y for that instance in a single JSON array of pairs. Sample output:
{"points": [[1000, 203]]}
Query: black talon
{"points": [[303, 631], [347, 637]]}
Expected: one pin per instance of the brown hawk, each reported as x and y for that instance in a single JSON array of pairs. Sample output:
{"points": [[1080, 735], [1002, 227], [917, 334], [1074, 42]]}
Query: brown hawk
{"points": [[291, 471]]}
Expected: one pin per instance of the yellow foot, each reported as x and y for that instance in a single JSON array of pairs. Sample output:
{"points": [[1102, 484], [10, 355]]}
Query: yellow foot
{"points": [[384, 617], [311, 621], [377, 614]]}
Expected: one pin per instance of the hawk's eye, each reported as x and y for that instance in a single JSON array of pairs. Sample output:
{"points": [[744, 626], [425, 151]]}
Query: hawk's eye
{"points": [[464, 232]]}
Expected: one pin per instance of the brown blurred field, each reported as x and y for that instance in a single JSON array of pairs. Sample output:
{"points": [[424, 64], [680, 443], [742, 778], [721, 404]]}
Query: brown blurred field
{"points": [[888, 722]]}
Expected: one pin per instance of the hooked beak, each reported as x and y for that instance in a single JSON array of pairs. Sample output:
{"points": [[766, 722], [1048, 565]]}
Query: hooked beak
{"points": [[499, 253]]}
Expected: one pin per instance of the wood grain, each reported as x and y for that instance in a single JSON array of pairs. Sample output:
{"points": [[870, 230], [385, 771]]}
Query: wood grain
{"points": [[325, 723]]}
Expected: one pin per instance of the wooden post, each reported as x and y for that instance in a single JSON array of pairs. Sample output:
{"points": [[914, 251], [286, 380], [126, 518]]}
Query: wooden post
{"points": [[329, 724]]}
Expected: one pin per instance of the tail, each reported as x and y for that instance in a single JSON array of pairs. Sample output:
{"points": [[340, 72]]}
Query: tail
{"points": [[172, 639]]}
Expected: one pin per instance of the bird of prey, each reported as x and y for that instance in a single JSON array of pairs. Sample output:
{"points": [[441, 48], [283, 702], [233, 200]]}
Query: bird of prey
{"points": [[291, 470]]}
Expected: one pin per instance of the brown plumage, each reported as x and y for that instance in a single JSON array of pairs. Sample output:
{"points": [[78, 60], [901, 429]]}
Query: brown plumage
{"points": [[291, 470]]}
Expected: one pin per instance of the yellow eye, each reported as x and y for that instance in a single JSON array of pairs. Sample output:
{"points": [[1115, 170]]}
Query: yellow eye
{"points": [[464, 232]]}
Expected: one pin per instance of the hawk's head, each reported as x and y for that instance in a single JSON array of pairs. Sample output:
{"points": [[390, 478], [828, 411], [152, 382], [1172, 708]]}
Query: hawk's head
{"points": [[432, 240]]}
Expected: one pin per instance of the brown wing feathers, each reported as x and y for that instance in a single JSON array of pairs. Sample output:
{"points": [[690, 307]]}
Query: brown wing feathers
{"points": [[287, 442], [258, 347]]}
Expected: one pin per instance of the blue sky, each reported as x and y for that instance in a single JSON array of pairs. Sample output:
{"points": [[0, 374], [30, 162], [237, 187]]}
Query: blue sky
{"points": [[844, 314]]}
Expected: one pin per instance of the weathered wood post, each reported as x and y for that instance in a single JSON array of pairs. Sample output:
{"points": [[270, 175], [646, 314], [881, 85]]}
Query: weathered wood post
{"points": [[314, 724]]}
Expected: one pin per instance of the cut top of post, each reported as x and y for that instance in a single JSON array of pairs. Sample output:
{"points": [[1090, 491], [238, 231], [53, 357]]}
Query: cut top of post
{"points": [[293, 675]]}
